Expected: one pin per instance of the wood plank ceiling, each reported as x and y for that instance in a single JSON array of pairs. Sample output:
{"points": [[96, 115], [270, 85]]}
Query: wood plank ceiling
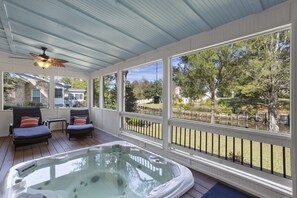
{"points": [[93, 34]]}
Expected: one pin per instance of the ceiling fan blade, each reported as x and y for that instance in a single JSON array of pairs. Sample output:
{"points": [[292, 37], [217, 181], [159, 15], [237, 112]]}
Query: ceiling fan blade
{"points": [[19, 57], [57, 62], [37, 57]]}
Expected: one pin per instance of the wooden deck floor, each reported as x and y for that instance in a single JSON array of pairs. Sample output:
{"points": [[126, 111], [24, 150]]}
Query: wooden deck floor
{"points": [[59, 143]]}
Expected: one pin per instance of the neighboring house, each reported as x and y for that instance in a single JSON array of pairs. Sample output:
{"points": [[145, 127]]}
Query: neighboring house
{"points": [[177, 92], [60, 94], [32, 90], [29, 90], [74, 97]]}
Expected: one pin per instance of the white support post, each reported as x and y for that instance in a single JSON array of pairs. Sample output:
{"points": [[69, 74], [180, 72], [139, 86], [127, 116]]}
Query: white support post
{"points": [[51, 96], [120, 98], [90, 93], [101, 98], [166, 102], [293, 106]]}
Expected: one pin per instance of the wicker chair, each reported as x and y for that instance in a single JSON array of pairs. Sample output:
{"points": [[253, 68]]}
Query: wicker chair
{"points": [[75, 131], [28, 135]]}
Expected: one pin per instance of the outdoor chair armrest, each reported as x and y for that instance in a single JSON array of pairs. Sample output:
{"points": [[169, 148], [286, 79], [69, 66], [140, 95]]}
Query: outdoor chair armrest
{"points": [[10, 128]]}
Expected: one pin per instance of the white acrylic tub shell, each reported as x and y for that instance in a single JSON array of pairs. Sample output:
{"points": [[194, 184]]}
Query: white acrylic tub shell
{"points": [[17, 183]]}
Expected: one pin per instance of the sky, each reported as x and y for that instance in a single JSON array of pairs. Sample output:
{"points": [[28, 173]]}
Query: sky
{"points": [[148, 71]]}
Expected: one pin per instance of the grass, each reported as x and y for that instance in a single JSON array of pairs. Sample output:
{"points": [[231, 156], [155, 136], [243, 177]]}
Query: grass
{"points": [[187, 138], [153, 105]]}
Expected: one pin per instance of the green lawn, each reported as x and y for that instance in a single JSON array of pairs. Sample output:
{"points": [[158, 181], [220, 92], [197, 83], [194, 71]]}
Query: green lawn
{"points": [[153, 105]]}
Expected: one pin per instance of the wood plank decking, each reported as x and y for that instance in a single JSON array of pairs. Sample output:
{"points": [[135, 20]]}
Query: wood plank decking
{"points": [[59, 143]]}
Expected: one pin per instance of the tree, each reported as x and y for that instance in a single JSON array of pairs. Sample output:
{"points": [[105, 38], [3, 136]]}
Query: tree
{"points": [[139, 87], [204, 73], [153, 89], [267, 74], [96, 91], [110, 91], [130, 99]]}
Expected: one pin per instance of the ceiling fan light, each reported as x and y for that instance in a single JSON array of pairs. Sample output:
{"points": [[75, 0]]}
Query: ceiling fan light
{"points": [[43, 64]]}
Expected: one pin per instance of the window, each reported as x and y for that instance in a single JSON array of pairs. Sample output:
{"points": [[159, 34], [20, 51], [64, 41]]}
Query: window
{"points": [[36, 95], [143, 89], [58, 93], [96, 92], [70, 92], [25, 90], [244, 84], [110, 91]]}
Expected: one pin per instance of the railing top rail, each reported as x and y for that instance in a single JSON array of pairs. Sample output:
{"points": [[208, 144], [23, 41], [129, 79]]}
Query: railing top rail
{"points": [[238, 132], [151, 118]]}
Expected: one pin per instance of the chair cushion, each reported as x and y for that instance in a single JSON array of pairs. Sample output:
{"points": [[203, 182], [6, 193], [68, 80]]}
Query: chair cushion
{"points": [[27, 121], [79, 127], [31, 132], [79, 120]]}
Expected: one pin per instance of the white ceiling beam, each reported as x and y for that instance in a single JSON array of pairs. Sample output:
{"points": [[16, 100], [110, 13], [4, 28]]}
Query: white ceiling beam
{"points": [[262, 5], [65, 26], [36, 50], [96, 20], [147, 21], [65, 50], [6, 26], [79, 45], [197, 14]]}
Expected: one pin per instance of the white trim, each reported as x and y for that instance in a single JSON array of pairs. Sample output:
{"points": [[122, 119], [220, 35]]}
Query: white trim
{"points": [[246, 37], [166, 92], [238, 132], [32, 90], [141, 137], [157, 119], [293, 104], [144, 64]]}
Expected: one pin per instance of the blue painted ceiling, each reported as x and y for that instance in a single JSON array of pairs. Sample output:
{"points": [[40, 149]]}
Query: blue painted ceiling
{"points": [[93, 34]]}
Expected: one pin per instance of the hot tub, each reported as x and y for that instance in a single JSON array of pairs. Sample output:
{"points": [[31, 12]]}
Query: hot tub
{"points": [[116, 169]]}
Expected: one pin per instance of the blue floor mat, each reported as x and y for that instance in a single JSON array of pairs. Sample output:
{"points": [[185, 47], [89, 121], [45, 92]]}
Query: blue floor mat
{"points": [[222, 191]]}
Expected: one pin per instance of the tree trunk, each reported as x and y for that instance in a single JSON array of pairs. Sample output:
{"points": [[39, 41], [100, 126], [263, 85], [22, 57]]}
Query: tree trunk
{"points": [[212, 115], [272, 113]]}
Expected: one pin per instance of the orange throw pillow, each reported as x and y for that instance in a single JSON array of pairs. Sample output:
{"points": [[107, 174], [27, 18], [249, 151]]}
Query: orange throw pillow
{"points": [[80, 120], [27, 121]]}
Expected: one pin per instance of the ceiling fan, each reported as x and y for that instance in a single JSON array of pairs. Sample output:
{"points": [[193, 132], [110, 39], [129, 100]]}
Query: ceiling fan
{"points": [[44, 61]]}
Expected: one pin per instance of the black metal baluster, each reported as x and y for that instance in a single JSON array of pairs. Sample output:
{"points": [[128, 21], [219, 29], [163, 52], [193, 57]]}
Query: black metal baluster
{"points": [[195, 141], [241, 151], [159, 131], [156, 132], [226, 152], [251, 153], [284, 162], [233, 155], [271, 158], [205, 142], [175, 134], [180, 136], [219, 146], [200, 141], [261, 157], [185, 135], [211, 143], [190, 139], [155, 127], [151, 131], [146, 132]]}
